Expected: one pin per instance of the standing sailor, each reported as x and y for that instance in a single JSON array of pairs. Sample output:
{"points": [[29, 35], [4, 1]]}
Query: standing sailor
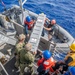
{"points": [[29, 23], [71, 71], [26, 59], [45, 63], [70, 57], [49, 26], [19, 46]]}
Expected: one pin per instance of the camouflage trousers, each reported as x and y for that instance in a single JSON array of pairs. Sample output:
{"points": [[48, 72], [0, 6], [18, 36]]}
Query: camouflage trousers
{"points": [[23, 66], [17, 63]]}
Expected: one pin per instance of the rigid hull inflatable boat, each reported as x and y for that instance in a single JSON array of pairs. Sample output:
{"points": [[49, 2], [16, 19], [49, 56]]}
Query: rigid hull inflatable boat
{"points": [[59, 46]]}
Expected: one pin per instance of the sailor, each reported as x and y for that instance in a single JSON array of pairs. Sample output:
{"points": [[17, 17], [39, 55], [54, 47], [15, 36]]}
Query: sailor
{"points": [[29, 23], [70, 57], [19, 46], [26, 59], [49, 26], [71, 71], [59, 68], [3, 22], [45, 63]]}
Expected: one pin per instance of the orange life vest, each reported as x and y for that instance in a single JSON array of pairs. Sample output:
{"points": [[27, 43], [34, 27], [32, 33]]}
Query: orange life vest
{"points": [[40, 61], [47, 63], [30, 24]]}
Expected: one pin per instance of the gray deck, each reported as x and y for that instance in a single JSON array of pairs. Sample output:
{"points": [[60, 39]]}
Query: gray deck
{"points": [[10, 68]]}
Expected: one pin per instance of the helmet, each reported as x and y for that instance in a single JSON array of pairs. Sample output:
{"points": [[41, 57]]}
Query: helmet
{"points": [[72, 47], [72, 70], [53, 22], [46, 54], [67, 73], [28, 18], [22, 36], [28, 46]]}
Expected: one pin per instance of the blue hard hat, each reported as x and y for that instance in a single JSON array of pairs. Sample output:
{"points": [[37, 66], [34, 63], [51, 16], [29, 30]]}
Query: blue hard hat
{"points": [[67, 73], [28, 18], [72, 70], [47, 54]]}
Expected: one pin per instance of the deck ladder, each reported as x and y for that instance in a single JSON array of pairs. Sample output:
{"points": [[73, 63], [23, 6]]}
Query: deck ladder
{"points": [[37, 31]]}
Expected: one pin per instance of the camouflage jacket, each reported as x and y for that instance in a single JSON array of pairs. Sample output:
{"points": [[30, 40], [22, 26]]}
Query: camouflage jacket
{"points": [[26, 57], [19, 47]]}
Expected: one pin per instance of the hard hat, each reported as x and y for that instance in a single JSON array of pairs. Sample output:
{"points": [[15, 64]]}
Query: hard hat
{"points": [[22, 36], [47, 54], [67, 73], [53, 22], [72, 47], [72, 70], [28, 46], [28, 18]]}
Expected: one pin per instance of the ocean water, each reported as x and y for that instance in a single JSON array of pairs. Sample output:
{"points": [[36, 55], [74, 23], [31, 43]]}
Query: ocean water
{"points": [[61, 10]]}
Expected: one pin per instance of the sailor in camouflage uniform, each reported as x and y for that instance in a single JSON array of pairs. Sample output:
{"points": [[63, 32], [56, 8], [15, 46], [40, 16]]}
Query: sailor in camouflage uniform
{"points": [[19, 46], [26, 59]]}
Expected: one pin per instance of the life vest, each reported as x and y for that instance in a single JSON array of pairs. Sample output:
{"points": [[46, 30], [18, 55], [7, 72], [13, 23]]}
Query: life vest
{"points": [[72, 55], [47, 63], [30, 24], [40, 61], [51, 69]]}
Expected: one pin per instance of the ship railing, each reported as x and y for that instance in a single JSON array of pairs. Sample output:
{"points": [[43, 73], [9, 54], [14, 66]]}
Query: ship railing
{"points": [[2, 68], [21, 6], [4, 38]]}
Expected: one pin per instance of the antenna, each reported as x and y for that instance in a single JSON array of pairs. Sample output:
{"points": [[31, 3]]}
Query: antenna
{"points": [[3, 4], [24, 2], [21, 6]]}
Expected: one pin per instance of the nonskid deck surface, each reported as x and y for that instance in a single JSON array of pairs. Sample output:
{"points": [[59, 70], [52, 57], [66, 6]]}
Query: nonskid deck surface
{"points": [[10, 68]]}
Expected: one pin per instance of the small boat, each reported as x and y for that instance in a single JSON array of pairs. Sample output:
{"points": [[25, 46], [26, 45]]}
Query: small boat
{"points": [[15, 16]]}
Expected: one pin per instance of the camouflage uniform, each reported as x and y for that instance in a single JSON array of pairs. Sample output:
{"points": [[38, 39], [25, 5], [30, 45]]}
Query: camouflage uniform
{"points": [[26, 59], [19, 47]]}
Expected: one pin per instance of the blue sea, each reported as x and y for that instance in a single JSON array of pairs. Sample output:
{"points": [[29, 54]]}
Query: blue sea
{"points": [[61, 10]]}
